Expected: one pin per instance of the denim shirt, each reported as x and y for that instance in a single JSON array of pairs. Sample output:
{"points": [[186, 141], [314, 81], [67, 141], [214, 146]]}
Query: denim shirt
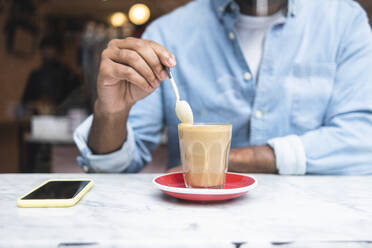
{"points": [[311, 101]]}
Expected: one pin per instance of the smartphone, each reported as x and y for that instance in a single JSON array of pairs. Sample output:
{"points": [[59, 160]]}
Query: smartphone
{"points": [[56, 193]]}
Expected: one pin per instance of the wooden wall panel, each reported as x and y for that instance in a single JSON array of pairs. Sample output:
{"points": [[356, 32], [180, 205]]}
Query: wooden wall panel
{"points": [[9, 149]]}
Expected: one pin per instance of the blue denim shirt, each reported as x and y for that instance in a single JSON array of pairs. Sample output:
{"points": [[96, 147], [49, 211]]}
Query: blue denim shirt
{"points": [[311, 101]]}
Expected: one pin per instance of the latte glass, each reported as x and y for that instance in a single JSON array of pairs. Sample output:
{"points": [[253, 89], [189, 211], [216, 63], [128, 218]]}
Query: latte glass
{"points": [[204, 154]]}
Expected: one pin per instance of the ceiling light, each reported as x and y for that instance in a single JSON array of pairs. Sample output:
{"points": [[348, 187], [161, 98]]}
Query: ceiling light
{"points": [[139, 14], [118, 19]]}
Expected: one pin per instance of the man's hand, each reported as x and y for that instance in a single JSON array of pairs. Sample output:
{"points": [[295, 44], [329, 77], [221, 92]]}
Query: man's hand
{"points": [[130, 70], [252, 159], [43, 106]]}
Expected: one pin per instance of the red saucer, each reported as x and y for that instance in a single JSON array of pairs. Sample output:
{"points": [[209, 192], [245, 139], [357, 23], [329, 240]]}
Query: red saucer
{"points": [[236, 185]]}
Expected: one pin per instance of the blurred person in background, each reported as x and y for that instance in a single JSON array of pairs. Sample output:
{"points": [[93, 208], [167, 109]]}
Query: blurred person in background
{"points": [[48, 89], [293, 78], [50, 84]]}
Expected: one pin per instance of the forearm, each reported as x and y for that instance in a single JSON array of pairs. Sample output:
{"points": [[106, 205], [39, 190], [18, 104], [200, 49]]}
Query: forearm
{"points": [[252, 159], [108, 131]]}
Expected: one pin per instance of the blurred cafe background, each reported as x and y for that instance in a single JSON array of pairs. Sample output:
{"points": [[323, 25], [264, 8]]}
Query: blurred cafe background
{"points": [[49, 57]]}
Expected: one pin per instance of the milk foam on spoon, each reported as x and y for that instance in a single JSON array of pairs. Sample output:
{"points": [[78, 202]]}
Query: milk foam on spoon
{"points": [[184, 112]]}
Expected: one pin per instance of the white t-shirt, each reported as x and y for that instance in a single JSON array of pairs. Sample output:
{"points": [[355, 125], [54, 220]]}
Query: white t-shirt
{"points": [[251, 32]]}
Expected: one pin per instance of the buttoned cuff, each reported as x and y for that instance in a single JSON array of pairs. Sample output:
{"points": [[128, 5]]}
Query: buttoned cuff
{"points": [[289, 155], [114, 162]]}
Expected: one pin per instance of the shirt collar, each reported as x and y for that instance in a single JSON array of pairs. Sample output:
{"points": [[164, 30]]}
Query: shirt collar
{"points": [[222, 6]]}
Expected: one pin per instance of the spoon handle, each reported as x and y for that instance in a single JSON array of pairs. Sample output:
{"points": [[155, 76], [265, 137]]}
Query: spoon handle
{"points": [[175, 89]]}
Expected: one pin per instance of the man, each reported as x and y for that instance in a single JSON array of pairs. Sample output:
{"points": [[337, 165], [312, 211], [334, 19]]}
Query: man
{"points": [[50, 84], [296, 85], [46, 91]]}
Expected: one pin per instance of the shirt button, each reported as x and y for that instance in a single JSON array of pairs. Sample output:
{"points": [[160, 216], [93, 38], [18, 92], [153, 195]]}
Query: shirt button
{"points": [[85, 168], [247, 76], [231, 35], [258, 114]]}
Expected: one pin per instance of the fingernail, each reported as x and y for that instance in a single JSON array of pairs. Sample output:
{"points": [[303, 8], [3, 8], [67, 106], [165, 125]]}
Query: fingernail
{"points": [[156, 83], [163, 75], [171, 61]]}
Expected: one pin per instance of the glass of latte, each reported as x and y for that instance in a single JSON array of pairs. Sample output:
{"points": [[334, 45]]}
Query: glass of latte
{"points": [[204, 154]]}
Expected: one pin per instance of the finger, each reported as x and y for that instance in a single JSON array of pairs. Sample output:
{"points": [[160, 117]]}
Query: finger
{"points": [[147, 62], [146, 52], [165, 57], [124, 72], [134, 60]]}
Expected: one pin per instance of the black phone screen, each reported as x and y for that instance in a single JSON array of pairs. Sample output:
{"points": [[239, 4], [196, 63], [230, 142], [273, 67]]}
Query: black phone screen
{"points": [[57, 190]]}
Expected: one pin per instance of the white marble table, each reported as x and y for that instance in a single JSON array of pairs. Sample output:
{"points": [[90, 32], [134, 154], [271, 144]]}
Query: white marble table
{"points": [[128, 211]]}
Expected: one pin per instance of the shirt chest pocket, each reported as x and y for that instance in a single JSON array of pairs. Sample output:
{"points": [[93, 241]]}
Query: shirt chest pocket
{"points": [[310, 87]]}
